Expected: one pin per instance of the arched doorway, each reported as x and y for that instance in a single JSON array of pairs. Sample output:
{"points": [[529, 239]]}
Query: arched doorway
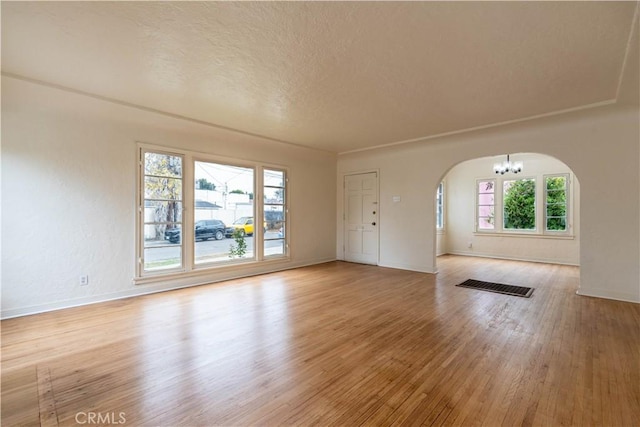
{"points": [[533, 215]]}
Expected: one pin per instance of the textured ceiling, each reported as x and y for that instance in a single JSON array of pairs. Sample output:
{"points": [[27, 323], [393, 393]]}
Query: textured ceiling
{"points": [[337, 76]]}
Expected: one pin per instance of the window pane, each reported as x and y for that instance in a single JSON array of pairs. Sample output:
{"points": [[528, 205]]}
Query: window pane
{"points": [[556, 210], [274, 247], [556, 224], [277, 232], [273, 217], [486, 211], [224, 207], [486, 199], [485, 223], [274, 195], [162, 258], [485, 187], [519, 204], [162, 188], [159, 164], [273, 178], [157, 211], [162, 234], [556, 183]]}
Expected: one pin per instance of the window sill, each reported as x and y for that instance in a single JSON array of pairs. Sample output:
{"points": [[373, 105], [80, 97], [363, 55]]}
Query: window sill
{"points": [[203, 271], [526, 235]]}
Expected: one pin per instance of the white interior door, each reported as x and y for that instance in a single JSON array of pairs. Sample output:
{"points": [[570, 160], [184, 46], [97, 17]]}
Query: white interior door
{"points": [[361, 218]]}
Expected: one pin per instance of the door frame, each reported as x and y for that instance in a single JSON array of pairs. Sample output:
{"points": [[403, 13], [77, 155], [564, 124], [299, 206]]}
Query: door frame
{"points": [[342, 215]]}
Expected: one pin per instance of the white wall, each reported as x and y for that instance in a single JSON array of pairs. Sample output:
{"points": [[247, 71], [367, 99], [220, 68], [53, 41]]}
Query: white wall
{"points": [[68, 185], [600, 145], [460, 209], [441, 242]]}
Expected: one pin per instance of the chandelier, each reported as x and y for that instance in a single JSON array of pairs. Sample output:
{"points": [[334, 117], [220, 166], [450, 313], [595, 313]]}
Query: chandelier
{"points": [[507, 166]]}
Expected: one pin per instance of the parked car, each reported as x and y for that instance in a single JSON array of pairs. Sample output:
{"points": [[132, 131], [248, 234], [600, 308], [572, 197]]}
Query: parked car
{"points": [[204, 230], [243, 224]]}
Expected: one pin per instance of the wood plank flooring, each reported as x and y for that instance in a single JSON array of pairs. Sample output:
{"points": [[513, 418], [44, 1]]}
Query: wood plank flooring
{"points": [[334, 344]]}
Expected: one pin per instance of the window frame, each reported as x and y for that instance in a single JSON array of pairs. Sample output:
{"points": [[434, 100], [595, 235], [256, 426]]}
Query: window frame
{"points": [[540, 208], [440, 223], [140, 217], [477, 206], [285, 211], [188, 266], [567, 189]]}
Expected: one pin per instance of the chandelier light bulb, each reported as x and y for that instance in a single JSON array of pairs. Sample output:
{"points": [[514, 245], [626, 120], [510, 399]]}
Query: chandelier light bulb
{"points": [[502, 168]]}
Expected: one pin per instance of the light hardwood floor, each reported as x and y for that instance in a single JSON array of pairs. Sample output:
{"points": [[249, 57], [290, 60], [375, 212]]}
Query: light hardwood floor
{"points": [[334, 344]]}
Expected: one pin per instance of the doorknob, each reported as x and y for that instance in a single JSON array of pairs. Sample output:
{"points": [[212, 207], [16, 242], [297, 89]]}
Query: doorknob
{"points": [[373, 223]]}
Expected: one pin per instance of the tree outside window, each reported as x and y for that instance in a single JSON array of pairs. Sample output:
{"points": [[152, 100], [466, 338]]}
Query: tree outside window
{"points": [[519, 204]]}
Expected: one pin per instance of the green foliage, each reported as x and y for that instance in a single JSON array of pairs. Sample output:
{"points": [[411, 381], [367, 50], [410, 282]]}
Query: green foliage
{"points": [[241, 249], [236, 192], [556, 203], [203, 184], [520, 204]]}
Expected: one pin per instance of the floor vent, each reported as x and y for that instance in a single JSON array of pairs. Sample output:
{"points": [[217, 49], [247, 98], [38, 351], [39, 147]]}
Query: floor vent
{"points": [[518, 291]]}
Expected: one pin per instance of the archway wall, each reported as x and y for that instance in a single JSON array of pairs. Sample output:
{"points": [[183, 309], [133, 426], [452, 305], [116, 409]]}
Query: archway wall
{"points": [[461, 238], [600, 145]]}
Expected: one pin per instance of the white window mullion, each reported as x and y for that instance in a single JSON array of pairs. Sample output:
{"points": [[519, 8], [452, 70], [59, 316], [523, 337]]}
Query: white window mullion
{"points": [[188, 214]]}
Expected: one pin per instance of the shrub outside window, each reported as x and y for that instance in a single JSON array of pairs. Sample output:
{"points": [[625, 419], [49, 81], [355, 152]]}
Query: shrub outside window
{"points": [[556, 190]]}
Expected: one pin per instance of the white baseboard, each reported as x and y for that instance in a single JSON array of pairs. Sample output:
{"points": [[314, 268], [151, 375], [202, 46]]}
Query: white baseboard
{"points": [[540, 260], [146, 290], [410, 267], [608, 294]]}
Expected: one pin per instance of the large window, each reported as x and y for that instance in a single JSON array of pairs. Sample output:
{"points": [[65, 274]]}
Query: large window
{"points": [[161, 211], [519, 204], [440, 207], [555, 199], [486, 204], [211, 222]]}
